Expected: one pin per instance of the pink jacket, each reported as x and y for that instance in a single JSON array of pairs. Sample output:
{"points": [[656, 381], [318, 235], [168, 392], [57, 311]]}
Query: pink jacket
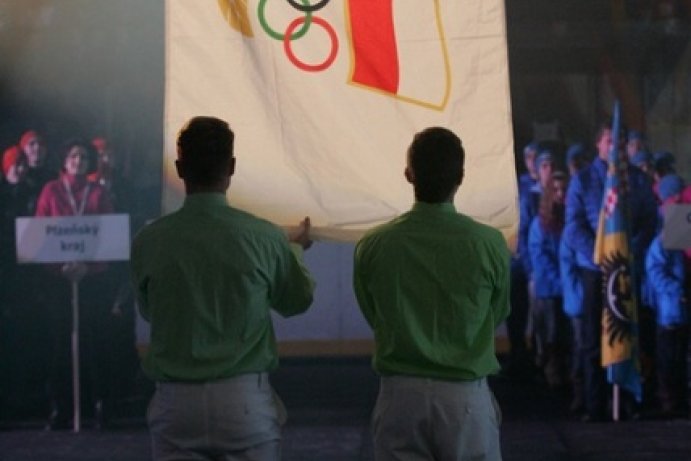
{"points": [[55, 198], [70, 196]]}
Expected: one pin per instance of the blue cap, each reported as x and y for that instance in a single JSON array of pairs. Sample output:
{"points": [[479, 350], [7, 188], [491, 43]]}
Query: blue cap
{"points": [[543, 156], [663, 159], [670, 185], [530, 147], [641, 157], [635, 135], [575, 151]]}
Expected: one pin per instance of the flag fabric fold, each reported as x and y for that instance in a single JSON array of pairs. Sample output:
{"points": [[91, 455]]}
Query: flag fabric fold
{"points": [[613, 253]]}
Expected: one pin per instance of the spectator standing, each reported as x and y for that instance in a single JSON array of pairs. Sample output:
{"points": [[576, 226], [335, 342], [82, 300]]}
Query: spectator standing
{"points": [[72, 194], [669, 272]]}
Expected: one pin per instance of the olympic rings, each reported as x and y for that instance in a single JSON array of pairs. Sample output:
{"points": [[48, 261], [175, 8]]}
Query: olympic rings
{"points": [[307, 8], [307, 20], [311, 67]]}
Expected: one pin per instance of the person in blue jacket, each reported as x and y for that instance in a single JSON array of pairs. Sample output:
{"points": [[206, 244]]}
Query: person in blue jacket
{"points": [[669, 272], [519, 365], [572, 291], [583, 203], [577, 158], [530, 203], [549, 328], [528, 179]]}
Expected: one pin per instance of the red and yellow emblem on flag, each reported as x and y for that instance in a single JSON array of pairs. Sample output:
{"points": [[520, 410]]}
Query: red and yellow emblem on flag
{"points": [[396, 48]]}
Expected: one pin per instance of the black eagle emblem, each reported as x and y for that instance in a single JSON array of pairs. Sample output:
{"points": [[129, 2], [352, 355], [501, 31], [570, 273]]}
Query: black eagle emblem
{"points": [[618, 297]]}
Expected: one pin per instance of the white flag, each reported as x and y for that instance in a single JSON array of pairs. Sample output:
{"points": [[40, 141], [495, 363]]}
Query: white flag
{"points": [[325, 96]]}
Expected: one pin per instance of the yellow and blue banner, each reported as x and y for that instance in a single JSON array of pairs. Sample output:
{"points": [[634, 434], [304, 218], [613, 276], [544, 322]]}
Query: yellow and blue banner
{"points": [[613, 254]]}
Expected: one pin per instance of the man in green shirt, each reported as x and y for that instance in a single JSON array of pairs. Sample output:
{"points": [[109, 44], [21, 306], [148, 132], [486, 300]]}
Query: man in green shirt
{"points": [[206, 277], [433, 284]]}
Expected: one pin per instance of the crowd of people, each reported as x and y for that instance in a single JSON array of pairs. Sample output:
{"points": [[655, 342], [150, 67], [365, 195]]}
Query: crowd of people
{"points": [[557, 287], [35, 299], [433, 284]]}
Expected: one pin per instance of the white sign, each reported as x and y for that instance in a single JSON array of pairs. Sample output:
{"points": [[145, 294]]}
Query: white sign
{"points": [[73, 238], [676, 233]]}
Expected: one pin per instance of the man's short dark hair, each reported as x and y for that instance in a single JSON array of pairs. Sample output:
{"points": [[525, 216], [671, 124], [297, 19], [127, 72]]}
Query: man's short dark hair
{"points": [[436, 158], [605, 125], [205, 147]]}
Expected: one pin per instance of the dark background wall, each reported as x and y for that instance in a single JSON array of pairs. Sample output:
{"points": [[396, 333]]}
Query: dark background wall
{"points": [[95, 67]]}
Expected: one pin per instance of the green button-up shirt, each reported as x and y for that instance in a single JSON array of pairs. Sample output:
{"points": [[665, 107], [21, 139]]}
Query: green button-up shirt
{"points": [[433, 284], [206, 277]]}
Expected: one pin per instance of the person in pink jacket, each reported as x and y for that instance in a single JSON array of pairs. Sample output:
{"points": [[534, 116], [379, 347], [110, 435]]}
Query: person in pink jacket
{"points": [[72, 194]]}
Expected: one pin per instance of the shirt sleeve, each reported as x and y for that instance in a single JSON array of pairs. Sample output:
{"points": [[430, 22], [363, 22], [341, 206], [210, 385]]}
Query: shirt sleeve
{"points": [[658, 264], [139, 280], [499, 302], [362, 294], [295, 284]]}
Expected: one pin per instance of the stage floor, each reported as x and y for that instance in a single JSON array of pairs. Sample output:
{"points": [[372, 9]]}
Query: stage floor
{"points": [[329, 401]]}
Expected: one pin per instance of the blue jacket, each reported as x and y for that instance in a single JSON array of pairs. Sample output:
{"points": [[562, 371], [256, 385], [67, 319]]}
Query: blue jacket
{"points": [[529, 205], [572, 287], [544, 255], [668, 278], [525, 183], [583, 204]]}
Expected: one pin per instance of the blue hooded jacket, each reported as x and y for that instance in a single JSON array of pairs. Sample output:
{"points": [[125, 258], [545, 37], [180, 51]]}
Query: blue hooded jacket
{"points": [[667, 274], [543, 247], [572, 288], [583, 204]]}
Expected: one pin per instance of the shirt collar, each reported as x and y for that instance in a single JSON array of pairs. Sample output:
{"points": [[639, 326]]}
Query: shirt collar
{"points": [[206, 199], [443, 207]]}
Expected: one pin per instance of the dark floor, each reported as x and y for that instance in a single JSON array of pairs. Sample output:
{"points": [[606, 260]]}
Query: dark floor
{"points": [[329, 401]]}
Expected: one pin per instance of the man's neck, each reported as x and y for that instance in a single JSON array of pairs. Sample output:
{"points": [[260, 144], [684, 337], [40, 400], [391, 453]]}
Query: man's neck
{"points": [[191, 189]]}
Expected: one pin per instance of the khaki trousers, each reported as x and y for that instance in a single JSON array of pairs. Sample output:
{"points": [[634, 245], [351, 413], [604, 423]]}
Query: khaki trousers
{"points": [[233, 419], [429, 419]]}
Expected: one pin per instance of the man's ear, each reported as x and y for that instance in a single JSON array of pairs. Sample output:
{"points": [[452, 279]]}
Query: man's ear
{"points": [[231, 166], [180, 168], [460, 176], [409, 175]]}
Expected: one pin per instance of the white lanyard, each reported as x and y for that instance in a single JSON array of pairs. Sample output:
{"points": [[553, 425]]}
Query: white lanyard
{"points": [[73, 203]]}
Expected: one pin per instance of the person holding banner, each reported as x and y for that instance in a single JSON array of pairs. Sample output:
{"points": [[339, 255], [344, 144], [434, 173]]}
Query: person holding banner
{"points": [[584, 203], [434, 284], [72, 194], [206, 278]]}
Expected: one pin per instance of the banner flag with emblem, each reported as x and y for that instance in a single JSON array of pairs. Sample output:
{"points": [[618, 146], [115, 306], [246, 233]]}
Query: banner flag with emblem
{"points": [[613, 254], [325, 96]]}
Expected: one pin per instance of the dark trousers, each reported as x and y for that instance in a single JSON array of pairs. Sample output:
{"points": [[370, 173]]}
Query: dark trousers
{"points": [[93, 337], [517, 321], [672, 372], [595, 384]]}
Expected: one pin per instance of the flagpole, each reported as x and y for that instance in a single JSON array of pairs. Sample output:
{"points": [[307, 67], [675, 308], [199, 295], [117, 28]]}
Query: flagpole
{"points": [[615, 402], [75, 356]]}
